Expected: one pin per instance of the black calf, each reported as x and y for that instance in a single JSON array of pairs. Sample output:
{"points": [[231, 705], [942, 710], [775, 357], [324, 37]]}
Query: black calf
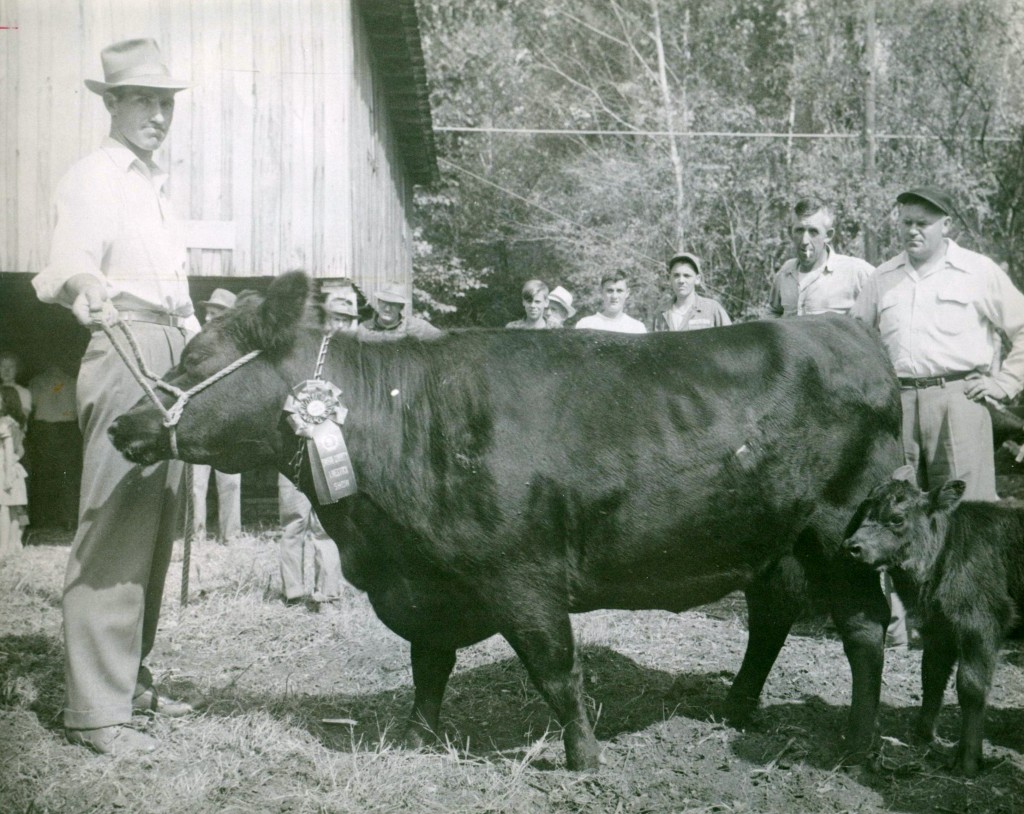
{"points": [[962, 566]]}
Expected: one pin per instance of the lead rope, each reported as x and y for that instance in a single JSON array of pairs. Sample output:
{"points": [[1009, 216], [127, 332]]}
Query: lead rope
{"points": [[142, 374]]}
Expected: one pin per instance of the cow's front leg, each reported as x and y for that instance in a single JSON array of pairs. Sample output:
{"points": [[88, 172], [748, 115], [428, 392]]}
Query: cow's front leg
{"points": [[861, 615], [936, 666], [431, 668], [771, 611], [547, 649]]}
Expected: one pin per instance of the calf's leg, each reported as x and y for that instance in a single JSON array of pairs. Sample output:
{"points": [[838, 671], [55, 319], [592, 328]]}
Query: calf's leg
{"points": [[936, 666], [973, 677], [431, 668], [545, 645]]}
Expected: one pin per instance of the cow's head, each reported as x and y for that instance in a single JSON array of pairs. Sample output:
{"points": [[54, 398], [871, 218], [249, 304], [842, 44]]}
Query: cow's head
{"points": [[899, 522], [235, 423]]}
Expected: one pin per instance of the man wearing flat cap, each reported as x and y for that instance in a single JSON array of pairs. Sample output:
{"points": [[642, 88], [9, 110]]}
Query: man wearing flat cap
{"points": [[389, 320], [116, 257], [940, 308]]}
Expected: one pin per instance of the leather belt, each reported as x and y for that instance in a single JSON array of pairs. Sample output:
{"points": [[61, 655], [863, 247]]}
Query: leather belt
{"points": [[934, 381], [154, 317]]}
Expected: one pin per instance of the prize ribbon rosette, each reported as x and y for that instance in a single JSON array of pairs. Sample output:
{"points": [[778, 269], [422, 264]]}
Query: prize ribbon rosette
{"points": [[316, 413]]}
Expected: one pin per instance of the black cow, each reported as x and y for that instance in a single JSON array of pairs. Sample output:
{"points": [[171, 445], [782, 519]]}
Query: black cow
{"points": [[962, 566], [509, 478]]}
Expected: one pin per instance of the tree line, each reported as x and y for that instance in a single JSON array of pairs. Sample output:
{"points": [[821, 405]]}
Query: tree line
{"points": [[575, 138]]}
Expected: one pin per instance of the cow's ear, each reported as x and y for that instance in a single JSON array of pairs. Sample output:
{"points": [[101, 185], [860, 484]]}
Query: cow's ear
{"points": [[946, 497], [906, 473], [280, 313]]}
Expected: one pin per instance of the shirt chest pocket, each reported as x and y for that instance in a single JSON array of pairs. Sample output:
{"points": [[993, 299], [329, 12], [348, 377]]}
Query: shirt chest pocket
{"points": [[954, 309]]}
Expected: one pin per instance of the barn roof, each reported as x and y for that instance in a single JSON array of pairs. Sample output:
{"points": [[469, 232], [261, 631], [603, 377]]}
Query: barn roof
{"points": [[393, 26]]}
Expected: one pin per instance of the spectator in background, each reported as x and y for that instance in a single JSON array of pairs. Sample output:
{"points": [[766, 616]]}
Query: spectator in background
{"points": [[390, 320], [819, 279], [13, 496], [10, 367], [689, 310], [535, 303], [612, 316], [229, 484], [559, 307], [299, 522], [56, 447]]}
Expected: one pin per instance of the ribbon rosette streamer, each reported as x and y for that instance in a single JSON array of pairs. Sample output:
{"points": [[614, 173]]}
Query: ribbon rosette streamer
{"points": [[316, 413]]}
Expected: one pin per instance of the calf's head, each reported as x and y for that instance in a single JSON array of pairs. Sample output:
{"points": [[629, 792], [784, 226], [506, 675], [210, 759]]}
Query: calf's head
{"points": [[236, 422], [898, 520]]}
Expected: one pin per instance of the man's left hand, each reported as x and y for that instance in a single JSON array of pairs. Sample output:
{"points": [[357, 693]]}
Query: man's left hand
{"points": [[984, 387]]}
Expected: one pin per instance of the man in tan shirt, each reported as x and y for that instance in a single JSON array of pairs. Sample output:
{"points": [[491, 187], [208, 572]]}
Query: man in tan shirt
{"points": [[940, 308]]}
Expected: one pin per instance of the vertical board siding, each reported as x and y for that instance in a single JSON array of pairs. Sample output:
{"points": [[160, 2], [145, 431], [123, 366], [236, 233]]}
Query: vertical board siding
{"points": [[284, 132]]}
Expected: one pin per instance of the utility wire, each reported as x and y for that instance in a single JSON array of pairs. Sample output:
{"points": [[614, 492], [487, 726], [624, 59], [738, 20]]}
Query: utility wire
{"points": [[542, 131]]}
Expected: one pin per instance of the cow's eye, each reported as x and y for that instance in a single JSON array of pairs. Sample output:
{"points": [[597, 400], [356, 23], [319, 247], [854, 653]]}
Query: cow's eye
{"points": [[897, 520]]}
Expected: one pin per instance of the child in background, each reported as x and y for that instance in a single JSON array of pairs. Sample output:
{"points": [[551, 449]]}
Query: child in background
{"points": [[13, 495]]}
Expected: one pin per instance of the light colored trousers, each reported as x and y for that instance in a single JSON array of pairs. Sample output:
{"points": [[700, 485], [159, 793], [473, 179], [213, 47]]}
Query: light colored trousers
{"points": [[300, 524], [129, 516], [945, 436], [229, 502]]}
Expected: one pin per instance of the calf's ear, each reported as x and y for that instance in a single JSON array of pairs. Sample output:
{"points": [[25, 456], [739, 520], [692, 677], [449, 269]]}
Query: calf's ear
{"points": [[947, 497]]}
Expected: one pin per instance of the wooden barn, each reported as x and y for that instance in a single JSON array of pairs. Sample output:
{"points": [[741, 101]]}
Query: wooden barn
{"points": [[298, 145]]}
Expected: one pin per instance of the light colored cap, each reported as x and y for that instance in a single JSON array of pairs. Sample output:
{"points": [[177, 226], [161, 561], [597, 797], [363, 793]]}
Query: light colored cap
{"points": [[134, 63], [220, 298], [563, 298], [341, 306], [392, 292]]}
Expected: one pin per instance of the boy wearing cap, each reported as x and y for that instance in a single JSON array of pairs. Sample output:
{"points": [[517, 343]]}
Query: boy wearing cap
{"points": [[819, 279], [116, 256], [939, 308], [559, 307], [389, 320], [689, 310]]}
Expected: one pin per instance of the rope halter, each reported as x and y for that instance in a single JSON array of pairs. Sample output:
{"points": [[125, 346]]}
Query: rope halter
{"points": [[142, 374]]}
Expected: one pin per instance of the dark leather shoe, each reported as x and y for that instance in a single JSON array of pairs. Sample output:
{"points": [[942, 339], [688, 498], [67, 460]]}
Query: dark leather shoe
{"points": [[155, 704], [116, 741]]}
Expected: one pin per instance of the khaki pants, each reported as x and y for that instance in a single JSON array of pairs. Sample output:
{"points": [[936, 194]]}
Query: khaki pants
{"points": [[946, 436], [129, 516], [229, 502]]}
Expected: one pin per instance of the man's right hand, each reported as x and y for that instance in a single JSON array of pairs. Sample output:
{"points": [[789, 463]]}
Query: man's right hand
{"points": [[91, 304]]}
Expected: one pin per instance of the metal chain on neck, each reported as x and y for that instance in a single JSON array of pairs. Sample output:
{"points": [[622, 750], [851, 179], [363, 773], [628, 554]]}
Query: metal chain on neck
{"points": [[318, 375]]}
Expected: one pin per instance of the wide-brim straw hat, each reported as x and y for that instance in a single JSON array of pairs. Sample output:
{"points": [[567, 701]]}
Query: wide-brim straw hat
{"points": [[563, 298], [134, 63]]}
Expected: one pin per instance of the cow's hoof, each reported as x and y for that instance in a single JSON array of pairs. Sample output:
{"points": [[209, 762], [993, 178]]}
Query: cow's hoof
{"points": [[738, 712], [924, 732], [965, 764], [580, 760], [418, 736]]}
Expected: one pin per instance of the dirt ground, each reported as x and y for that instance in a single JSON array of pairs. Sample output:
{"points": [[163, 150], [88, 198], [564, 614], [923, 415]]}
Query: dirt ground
{"points": [[297, 705]]}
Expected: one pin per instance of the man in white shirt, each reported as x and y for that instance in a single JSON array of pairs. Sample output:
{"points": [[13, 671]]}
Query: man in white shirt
{"points": [[819, 279], [612, 316], [116, 256], [939, 308]]}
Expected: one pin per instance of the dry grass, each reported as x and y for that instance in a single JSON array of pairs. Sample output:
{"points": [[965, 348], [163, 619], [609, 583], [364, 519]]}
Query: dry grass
{"points": [[267, 677]]}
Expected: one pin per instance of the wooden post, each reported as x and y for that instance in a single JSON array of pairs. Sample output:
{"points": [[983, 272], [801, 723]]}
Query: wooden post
{"points": [[870, 44]]}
